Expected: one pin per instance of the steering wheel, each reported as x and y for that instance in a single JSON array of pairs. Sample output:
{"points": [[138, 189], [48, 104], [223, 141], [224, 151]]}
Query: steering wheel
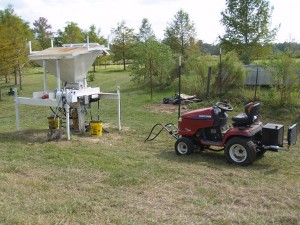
{"points": [[224, 106]]}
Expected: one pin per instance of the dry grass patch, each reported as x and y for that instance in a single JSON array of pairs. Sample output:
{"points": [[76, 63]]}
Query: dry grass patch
{"points": [[166, 108], [120, 179]]}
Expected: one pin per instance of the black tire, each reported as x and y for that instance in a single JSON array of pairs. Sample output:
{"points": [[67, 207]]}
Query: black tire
{"points": [[261, 153], [166, 100], [240, 151], [184, 146]]}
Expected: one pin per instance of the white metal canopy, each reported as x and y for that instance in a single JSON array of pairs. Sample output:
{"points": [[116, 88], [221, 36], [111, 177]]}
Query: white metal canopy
{"points": [[70, 65]]}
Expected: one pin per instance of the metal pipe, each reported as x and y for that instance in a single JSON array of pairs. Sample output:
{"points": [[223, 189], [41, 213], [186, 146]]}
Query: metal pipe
{"points": [[16, 109], [67, 108], [88, 42], [29, 45], [274, 148], [45, 79], [57, 75], [119, 107], [98, 110]]}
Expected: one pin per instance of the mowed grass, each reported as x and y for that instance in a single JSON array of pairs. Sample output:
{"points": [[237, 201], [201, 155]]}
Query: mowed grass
{"points": [[120, 179]]}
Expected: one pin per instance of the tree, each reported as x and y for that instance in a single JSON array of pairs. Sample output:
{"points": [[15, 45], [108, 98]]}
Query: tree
{"points": [[7, 55], [194, 74], [233, 72], [94, 37], [71, 34], [15, 34], [180, 33], [42, 32], [145, 31], [122, 42], [247, 28], [210, 49], [152, 63], [291, 47]]}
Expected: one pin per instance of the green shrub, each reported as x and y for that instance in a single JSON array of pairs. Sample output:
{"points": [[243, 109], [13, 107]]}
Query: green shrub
{"points": [[91, 77], [285, 70], [195, 75], [233, 72]]}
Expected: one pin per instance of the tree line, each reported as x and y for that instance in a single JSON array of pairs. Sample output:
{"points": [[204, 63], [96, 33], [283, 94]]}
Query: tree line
{"points": [[248, 37]]}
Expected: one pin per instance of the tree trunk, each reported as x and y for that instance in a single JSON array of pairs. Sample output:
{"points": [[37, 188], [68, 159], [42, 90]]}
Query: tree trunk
{"points": [[123, 53], [20, 79], [124, 61], [16, 77]]}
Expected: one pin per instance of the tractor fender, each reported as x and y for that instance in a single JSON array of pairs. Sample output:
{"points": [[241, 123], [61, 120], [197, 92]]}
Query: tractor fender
{"points": [[242, 131]]}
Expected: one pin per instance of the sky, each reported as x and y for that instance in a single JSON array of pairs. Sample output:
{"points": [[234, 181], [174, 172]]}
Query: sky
{"points": [[107, 14]]}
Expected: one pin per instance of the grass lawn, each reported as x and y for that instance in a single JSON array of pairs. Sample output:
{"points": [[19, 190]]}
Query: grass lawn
{"points": [[119, 179]]}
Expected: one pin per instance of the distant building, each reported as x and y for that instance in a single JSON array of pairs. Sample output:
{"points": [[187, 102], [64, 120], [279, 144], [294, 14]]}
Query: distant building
{"points": [[258, 75]]}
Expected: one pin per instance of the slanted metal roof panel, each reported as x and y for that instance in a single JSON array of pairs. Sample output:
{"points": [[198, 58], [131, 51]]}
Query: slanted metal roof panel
{"points": [[73, 61], [62, 52]]}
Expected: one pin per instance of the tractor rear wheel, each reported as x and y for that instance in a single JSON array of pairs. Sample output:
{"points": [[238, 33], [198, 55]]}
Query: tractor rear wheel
{"points": [[240, 151], [184, 146]]}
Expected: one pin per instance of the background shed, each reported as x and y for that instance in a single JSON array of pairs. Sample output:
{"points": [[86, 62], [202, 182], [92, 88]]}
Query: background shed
{"points": [[264, 77]]}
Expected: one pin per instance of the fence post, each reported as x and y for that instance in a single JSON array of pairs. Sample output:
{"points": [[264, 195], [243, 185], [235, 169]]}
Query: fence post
{"points": [[179, 86], [220, 72], [208, 81], [256, 79]]}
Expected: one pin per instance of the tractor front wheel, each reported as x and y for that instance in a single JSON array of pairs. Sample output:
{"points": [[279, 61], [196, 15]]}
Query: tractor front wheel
{"points": [[184, 146], [240, 151]]}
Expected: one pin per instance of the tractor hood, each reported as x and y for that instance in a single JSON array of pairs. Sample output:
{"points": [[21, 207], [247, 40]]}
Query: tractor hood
{"points": [[191, 122], [199, 114]]}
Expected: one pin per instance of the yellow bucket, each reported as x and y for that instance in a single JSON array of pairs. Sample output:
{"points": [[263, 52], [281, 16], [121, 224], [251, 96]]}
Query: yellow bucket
{"points": [[96, 128], [54, 124]]}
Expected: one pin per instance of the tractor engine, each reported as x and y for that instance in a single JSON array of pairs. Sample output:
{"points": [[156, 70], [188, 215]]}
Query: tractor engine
{"points": [[212, 134], [205, 123]]}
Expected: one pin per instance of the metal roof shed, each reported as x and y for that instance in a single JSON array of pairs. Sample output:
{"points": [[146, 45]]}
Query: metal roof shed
{"points": [[257, 75]]}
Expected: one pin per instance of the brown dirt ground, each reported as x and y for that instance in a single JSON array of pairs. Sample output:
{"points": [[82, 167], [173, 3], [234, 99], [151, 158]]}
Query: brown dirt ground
{"points": [[166, 108]]}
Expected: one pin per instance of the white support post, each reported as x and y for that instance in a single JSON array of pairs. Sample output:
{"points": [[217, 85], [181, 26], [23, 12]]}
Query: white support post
{"points": [[108, 40], [45, 78], [57, 75], [29, 45], [88, 42], [67, 108], [81, 117], [119, 107], [17, 110]]}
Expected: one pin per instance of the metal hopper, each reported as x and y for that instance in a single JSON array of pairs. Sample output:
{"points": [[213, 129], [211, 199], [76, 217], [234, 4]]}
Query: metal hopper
{"points": [[70, 65], [74, 62]]}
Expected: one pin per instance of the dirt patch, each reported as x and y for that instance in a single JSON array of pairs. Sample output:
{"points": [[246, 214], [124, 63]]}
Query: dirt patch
{"points": [[166, 108]]}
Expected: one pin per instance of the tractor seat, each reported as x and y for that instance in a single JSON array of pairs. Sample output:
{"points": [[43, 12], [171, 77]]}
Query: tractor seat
{"points": [[250, 115]]}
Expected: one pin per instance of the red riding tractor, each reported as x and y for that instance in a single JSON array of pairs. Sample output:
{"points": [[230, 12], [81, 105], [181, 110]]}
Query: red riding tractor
{"points": [[242, 142]]}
